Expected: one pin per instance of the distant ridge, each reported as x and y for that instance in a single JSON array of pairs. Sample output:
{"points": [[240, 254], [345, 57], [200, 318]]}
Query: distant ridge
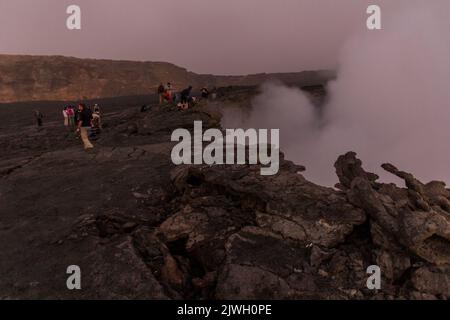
{"points": [[50, 78]]}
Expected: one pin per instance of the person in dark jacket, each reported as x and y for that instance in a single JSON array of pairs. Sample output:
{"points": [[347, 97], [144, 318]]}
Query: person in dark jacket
{"points": [[205, 93], [39, 116], [161, 91], [84, 124], [185, 94]]}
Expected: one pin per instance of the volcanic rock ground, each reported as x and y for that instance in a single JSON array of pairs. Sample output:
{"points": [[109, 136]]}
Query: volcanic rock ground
{"points": [[139, 227]]}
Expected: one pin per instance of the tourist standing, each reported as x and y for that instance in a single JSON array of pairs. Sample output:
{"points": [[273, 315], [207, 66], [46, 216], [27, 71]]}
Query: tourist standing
{"points": [[96, 123], [39, 117], [71, 115], [84, 124], [161, 91], [66, 116]]}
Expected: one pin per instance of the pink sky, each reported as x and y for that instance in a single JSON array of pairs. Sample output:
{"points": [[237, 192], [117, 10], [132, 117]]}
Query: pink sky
{"points": [[205, 36]]}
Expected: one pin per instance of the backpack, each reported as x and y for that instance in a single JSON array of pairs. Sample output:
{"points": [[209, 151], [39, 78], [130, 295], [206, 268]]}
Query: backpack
{"points": [[96, 121]]}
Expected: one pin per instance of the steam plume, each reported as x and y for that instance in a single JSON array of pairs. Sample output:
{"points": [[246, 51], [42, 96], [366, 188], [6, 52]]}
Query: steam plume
{"points": [[390, 102]]}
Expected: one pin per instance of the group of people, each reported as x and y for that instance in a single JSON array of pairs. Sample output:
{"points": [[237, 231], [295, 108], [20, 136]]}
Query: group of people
{"points": [[165, 93], [86, 120], [88, 123], [182, 99], [69, 116]]}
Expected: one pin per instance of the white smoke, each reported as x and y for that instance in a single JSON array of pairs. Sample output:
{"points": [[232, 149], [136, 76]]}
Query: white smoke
{"points": [[390, 103]]}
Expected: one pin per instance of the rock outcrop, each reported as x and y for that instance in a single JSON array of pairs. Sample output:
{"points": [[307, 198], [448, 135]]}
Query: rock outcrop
{"points": [[140, 227], [49, 78], [284, 237]]}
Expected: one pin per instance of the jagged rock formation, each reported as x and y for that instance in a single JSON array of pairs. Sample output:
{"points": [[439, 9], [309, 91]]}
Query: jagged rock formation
{"points": [[35, 78], [284, 237], [139, 227], [409, 227]]}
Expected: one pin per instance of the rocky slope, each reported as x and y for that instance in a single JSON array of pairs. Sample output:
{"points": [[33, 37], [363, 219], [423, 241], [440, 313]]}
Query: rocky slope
{"points": [[35, 78], [139, 227]]}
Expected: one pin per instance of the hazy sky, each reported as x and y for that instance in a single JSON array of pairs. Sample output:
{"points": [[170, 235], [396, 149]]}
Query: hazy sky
{"points": [[206, 36], [389, 103]]}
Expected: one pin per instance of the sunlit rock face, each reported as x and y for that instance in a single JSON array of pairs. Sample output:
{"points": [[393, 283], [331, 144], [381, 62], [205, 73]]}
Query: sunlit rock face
{"points": [[34, 78]]}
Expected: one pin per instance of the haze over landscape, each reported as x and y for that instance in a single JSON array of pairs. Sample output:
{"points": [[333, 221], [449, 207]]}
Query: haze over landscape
{"points": [[390, 101], [99, 189], [395, 78], [220, 37]]}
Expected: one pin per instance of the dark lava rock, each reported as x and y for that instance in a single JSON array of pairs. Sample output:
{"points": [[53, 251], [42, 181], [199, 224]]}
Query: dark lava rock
{"points": [[139, 227]]}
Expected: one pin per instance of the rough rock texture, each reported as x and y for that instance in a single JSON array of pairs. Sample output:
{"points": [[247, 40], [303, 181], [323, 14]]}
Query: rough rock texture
{"points": [[289, 238], [34, 78], [410, 227], [139, 227]]}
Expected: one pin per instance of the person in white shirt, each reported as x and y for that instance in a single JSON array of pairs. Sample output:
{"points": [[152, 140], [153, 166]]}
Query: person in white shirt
{"points": [[66, 117]]}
